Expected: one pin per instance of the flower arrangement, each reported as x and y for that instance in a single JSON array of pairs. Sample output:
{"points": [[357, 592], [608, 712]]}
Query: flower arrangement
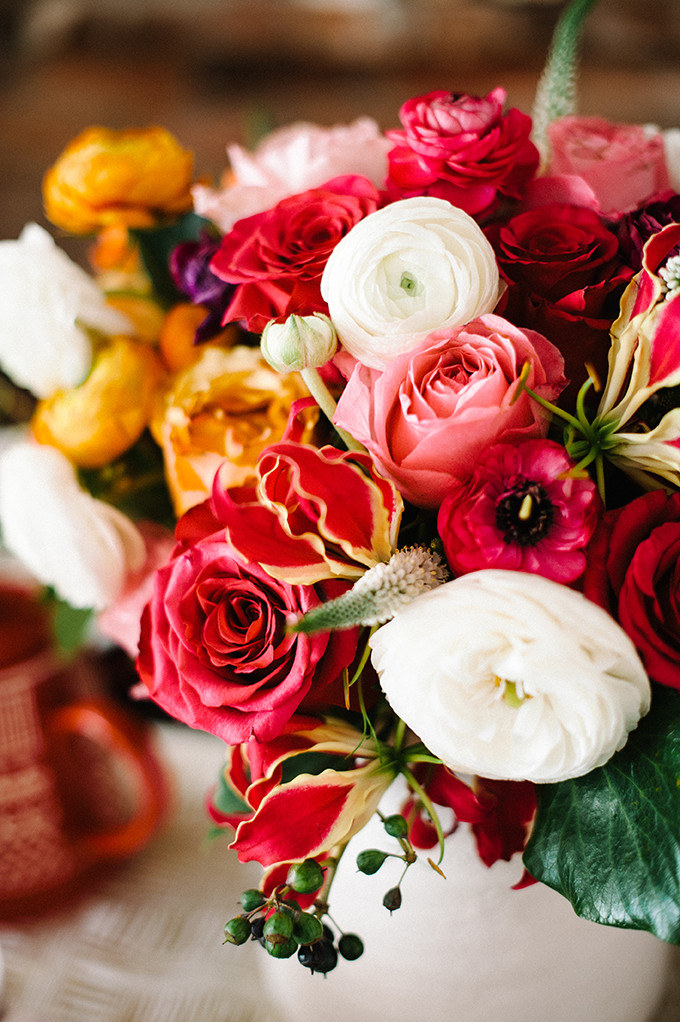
{"points": [[370, 456]]}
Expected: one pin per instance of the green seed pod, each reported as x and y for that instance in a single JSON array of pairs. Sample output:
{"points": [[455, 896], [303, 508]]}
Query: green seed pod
{"points": [[305, 877], [392, 899], [237, 930], [307, 928], [278, 928], [396, 826], [285, 950], [252, 899], [351, 946], [370, 860]]}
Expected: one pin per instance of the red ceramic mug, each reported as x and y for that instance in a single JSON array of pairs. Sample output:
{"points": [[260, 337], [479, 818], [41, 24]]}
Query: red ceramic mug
{"points": [[80, 785]]}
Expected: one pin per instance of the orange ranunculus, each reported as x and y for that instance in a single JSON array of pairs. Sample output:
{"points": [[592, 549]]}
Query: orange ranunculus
{"points": [[128, 177], [225, 407], [176, 339], [99, 420]]}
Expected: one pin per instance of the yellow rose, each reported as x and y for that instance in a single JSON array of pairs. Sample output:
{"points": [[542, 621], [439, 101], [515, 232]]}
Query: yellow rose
{"points": [[125, 177], [227, 406], [99, 420]]}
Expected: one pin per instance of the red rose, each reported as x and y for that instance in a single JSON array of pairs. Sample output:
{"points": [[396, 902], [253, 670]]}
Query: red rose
{"points": [[634, 573], [214, 649], [277, 257], [565, 279], [461, 148]]}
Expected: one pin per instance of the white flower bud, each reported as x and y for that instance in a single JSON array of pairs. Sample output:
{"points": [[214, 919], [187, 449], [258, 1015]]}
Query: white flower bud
{"points": [[302, 342]]}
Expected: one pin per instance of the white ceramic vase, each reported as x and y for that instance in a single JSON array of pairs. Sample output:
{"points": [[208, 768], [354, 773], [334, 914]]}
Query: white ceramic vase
{"points": [[468, 948]]}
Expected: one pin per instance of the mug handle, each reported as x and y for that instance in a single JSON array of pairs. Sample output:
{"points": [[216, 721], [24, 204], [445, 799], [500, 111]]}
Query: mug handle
{"points": [[127, 739]]}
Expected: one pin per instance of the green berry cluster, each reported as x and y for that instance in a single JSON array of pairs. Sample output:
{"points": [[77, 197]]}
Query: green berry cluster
{"points": [[282, 928], [371, 859]]}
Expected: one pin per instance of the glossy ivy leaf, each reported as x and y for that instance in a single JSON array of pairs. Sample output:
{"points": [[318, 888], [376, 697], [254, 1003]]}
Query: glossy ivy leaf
{"points": [[156, 245], [610, 841]]}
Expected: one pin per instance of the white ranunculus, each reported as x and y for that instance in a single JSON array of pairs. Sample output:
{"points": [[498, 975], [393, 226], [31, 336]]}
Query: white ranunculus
{"points": [[67, 539], [512, 676], [47, 302], [414, 266]]}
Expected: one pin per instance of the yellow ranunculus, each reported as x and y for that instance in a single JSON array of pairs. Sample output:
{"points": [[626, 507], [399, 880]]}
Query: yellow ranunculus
{"points": [[128, 177], [99, 420], [225, 407]]}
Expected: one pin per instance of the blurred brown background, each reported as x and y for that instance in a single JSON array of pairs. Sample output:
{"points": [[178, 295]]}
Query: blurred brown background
{"points": [[216, 71]]}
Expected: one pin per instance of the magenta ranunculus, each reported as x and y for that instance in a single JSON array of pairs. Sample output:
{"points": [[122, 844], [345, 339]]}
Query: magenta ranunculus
{"points": [[520, 509], [426, 417], [461, 148], [277, 257], [214, 649], [624, 164], [634, 572]]}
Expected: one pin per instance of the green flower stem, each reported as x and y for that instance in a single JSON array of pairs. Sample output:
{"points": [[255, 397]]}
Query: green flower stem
{"points": [[331, 866], [323, 397], [399, 733], [427, 802]]}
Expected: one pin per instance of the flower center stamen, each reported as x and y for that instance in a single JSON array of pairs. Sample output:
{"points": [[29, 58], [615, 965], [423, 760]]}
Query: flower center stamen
{"points": [[524, 512], [409, 284], [512, 692], [670, 274]]}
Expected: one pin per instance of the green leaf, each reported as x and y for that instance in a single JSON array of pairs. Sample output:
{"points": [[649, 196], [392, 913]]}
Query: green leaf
{"points": [[70, 625], [610, 841], [556, 92], [156, 245], [227, 801]]}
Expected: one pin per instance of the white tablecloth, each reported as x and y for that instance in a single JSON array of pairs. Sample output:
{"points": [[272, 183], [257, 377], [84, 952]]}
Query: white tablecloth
{"points": [[146, 944]]}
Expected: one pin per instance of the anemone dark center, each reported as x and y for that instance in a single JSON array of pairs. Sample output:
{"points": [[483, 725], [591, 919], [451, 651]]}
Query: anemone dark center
{"points": [[524, 512]]}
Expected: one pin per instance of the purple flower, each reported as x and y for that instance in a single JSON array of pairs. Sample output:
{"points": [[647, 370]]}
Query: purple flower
{"points": [[637, 227], [190, 269], [520, 510]]}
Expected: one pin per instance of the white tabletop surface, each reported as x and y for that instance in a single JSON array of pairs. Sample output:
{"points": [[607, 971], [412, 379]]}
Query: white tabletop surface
{"points": [[146, 944]]}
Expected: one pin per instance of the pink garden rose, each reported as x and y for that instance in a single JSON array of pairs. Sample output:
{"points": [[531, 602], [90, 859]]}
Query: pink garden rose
{"points": [[461, 148], [623, 164], [291, 160], [426, 418], [277, 257], [214, 649], [120, 621], [523, 509]]}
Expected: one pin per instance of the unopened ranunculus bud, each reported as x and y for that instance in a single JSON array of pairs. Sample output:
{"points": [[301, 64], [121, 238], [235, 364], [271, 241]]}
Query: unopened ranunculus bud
{"points": [[302, 342]]}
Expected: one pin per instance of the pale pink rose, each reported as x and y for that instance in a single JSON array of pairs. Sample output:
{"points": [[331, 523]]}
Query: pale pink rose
{"points": [[121, 621], [429, 414], [289, 161], [624, 164]]}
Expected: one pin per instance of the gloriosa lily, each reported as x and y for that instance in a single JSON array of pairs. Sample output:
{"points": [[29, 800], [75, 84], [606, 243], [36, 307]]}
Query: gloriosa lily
{"points": [[644, 364], [637, 424], [312, 813], [313, 514]]}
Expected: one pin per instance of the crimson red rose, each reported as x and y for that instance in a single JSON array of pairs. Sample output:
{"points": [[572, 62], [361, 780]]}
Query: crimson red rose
{"points": [[565, 278], [634, 573], [214, 649], [461, 148], [277, 257]]}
